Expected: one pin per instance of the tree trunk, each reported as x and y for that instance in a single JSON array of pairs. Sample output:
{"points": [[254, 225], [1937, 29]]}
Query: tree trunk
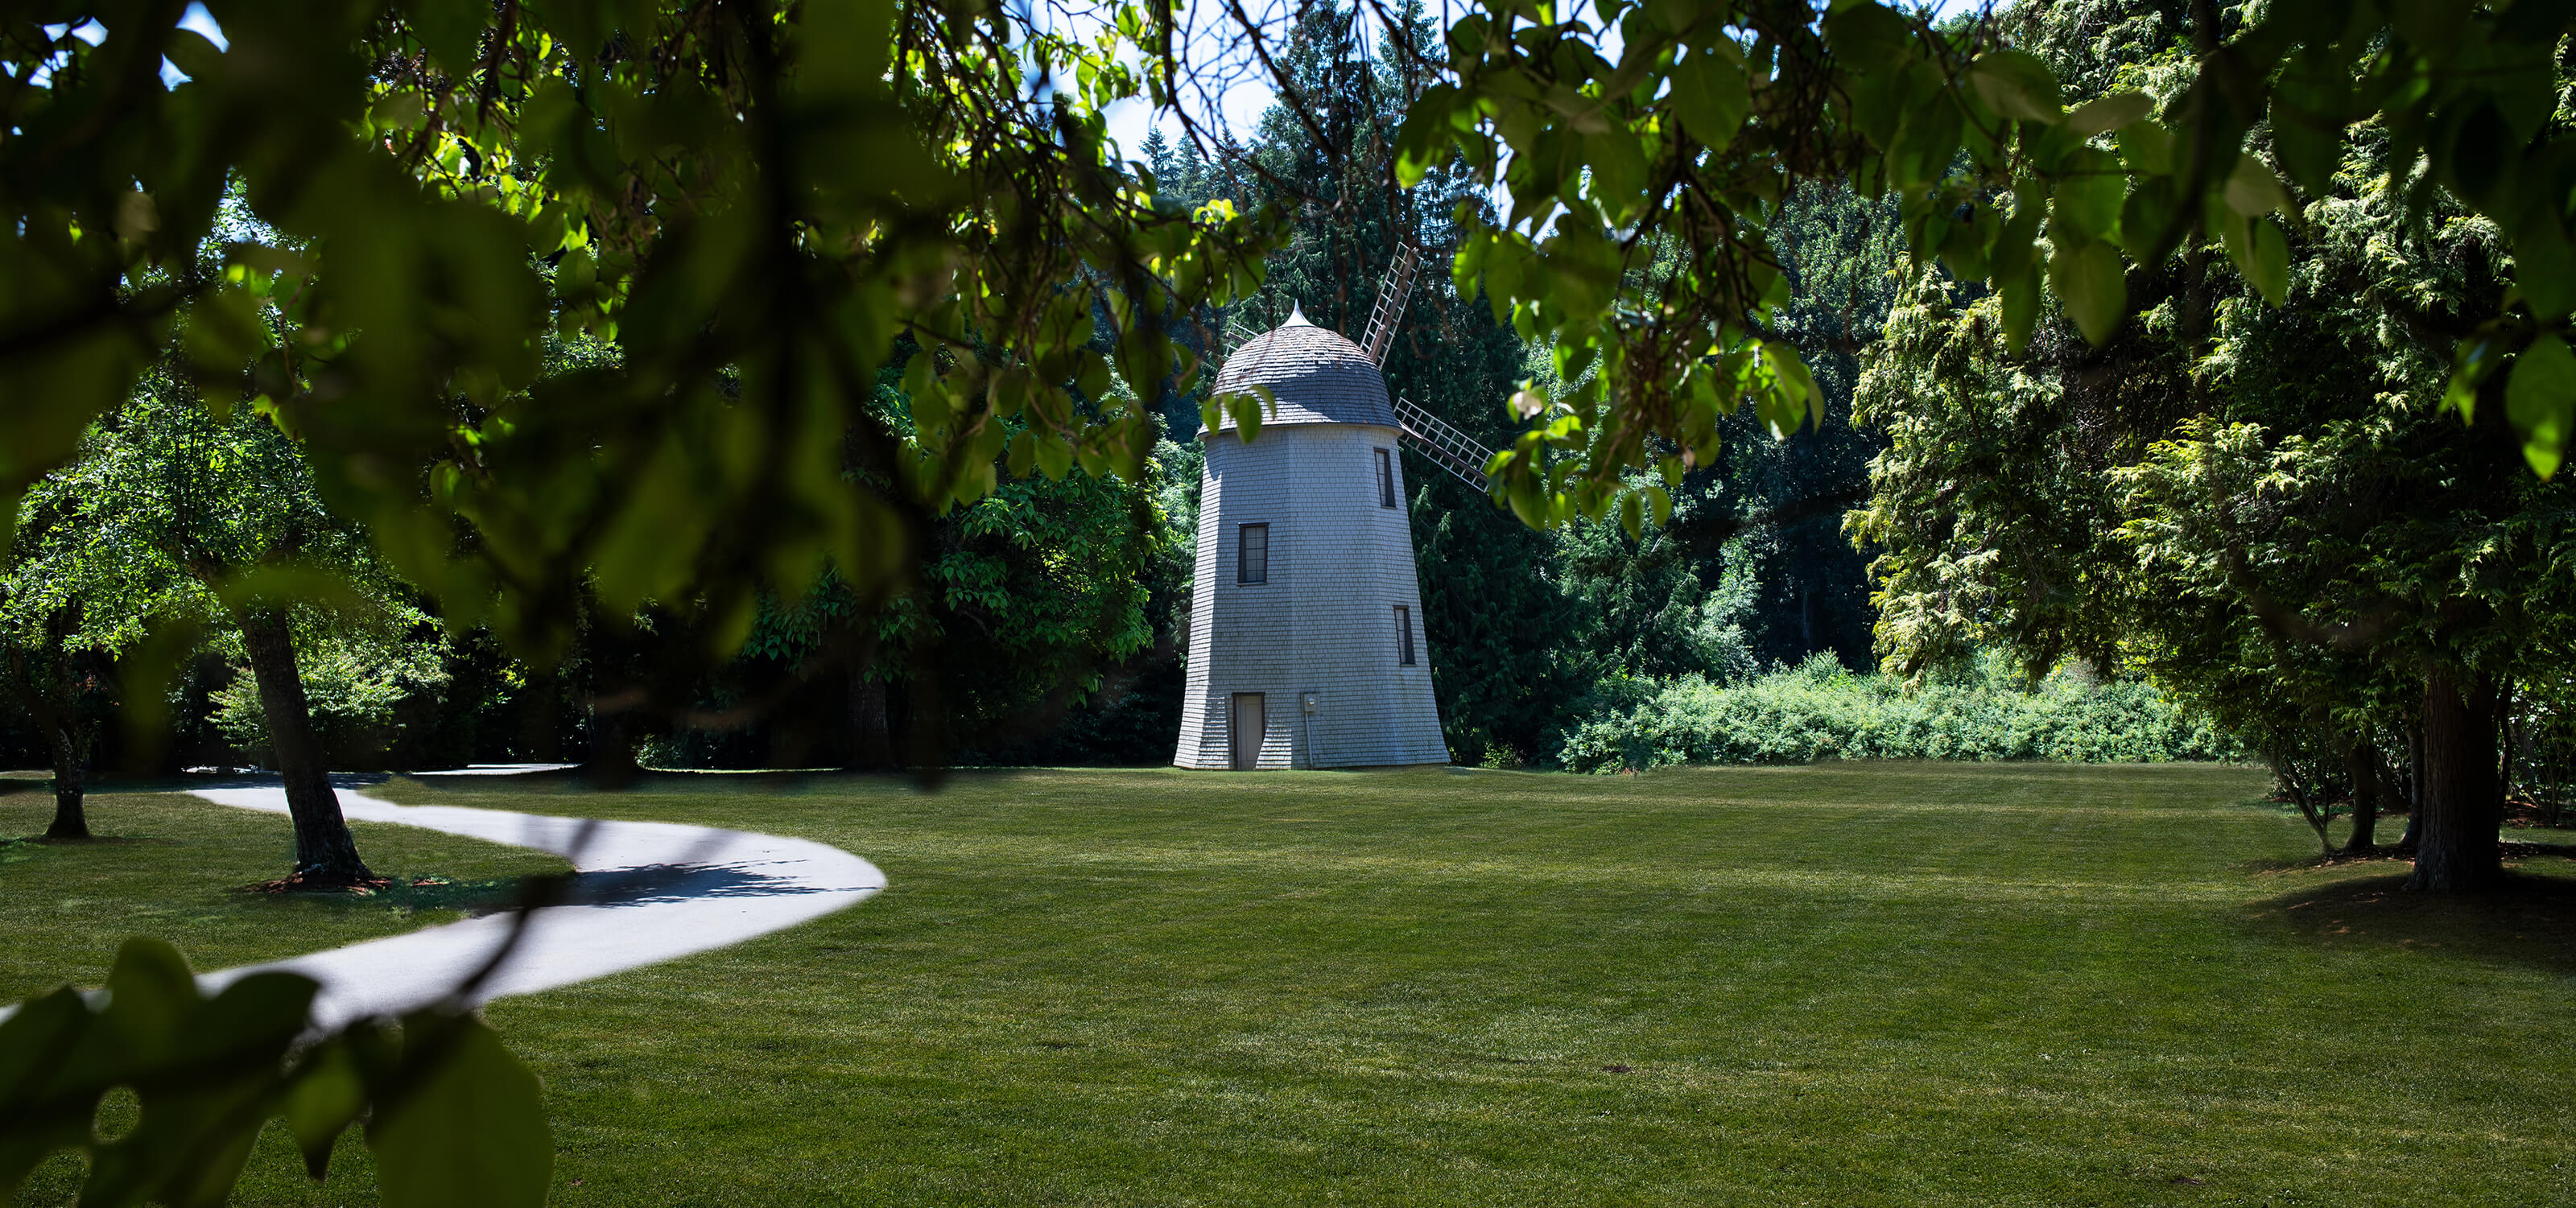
{"points": [[2457, 849], [324, 851], [62, 742], [2319, 819], [542, 729], [2361, 761], [871, 740], [612, 762]]}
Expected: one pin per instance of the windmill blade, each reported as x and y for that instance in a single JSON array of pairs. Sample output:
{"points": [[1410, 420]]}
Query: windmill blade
{"points": [[1389, 310], [1447, 447]]}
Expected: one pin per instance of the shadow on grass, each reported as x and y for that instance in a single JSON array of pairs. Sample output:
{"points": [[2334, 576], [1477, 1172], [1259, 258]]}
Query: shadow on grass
{"points": [[416, 894], [582, 780], [2530, 920], [90, 841]]}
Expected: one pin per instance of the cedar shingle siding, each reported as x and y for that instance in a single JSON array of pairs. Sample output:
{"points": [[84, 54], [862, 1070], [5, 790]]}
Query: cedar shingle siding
{"points": [[1339, 563]]}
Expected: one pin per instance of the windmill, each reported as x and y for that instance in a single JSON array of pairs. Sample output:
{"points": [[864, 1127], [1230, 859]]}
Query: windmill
{"points": [[1306, 640]]}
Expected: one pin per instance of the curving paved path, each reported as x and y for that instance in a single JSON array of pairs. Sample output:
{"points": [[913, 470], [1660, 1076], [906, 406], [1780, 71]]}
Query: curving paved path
{"points": [[648, 892]]}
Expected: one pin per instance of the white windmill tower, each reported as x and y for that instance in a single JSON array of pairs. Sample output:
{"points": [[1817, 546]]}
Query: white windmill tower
{"points": [[1306, 640]]}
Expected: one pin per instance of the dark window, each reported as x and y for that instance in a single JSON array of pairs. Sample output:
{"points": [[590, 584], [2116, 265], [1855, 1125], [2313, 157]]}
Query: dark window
{"points": [[1385, 479], [1403, 636], [1252, 554]]}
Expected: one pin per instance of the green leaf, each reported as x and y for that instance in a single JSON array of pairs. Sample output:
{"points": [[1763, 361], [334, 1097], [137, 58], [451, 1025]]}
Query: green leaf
{"points": [[1618, 180], [2090, 281], [452, 30], [34, 1042], [190, 52], [258, 1013], [2108, 113], [1964, 246], [1798, 385], [467, 1128], [2253, 188], [2309, 154], [1877, 105], [1712, 98], [1426, 137], [1055, 456], [2017, 241], [2144, 215], [2088, 197], [1247, 407], [576, 275], [2544, 269], [150, 995], [2016, 84], [2020, 293], [842, 47], [1867, 36], [322, 1103], [2540, 399], [2146, 148], [223, 332], [2268, 265], [2471, 362]]}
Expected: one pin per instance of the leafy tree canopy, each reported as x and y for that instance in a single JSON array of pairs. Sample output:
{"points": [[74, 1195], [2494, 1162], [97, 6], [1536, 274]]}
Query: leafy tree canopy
{"points": [[1712, 113], [750, 201]]}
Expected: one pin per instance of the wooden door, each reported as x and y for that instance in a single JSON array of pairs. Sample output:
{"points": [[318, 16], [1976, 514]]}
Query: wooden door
{"points": [[1248, 726]]}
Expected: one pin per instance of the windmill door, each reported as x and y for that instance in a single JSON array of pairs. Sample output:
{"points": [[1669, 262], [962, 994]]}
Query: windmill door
{"points": [[1247, 729]]}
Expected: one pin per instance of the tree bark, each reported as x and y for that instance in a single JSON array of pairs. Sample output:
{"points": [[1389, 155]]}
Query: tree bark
{"points": [[871, 739], [324, 851], [62, 742], [612, 763], [52, 692], [542, 717], [2361, 761], [2457, 850]]}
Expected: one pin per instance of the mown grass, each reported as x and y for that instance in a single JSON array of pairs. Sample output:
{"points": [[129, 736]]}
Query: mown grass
{"points": [[1842, 984], [174, 866]]}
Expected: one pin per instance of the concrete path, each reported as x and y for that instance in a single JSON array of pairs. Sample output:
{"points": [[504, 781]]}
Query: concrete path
{"points": [[648, 892]]}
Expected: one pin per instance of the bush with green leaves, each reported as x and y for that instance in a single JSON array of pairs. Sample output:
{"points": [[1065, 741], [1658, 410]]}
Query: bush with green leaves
{"points": [[1818, 710], [364, 689]]}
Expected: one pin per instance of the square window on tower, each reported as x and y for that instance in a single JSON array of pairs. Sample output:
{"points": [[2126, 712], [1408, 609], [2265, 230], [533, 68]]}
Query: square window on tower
{"points": [[1385, 478], [1252, 554], [1403, 636]]}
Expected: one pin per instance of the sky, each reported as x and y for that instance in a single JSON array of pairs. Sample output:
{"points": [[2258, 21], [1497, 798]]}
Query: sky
{"points": [[1241, 105], [197, 18]]}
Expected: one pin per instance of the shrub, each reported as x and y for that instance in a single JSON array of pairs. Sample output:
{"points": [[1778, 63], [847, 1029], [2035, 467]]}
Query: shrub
{"points": [[366, 693], [1818, 710]]}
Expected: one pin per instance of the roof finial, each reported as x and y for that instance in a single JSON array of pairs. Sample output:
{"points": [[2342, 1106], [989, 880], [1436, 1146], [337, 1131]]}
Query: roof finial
{"points": [[1296, 316]]}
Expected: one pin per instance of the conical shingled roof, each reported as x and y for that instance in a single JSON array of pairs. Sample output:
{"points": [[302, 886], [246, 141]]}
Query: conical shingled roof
{"points": [[1318, 376]]}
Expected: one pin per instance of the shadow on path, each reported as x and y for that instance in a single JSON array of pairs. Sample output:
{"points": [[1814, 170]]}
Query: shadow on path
{"points": [[655, 884]]}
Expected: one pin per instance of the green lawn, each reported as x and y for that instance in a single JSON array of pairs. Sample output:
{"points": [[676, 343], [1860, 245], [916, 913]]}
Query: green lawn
{"points": [[176, 867], [1844, 984]]}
